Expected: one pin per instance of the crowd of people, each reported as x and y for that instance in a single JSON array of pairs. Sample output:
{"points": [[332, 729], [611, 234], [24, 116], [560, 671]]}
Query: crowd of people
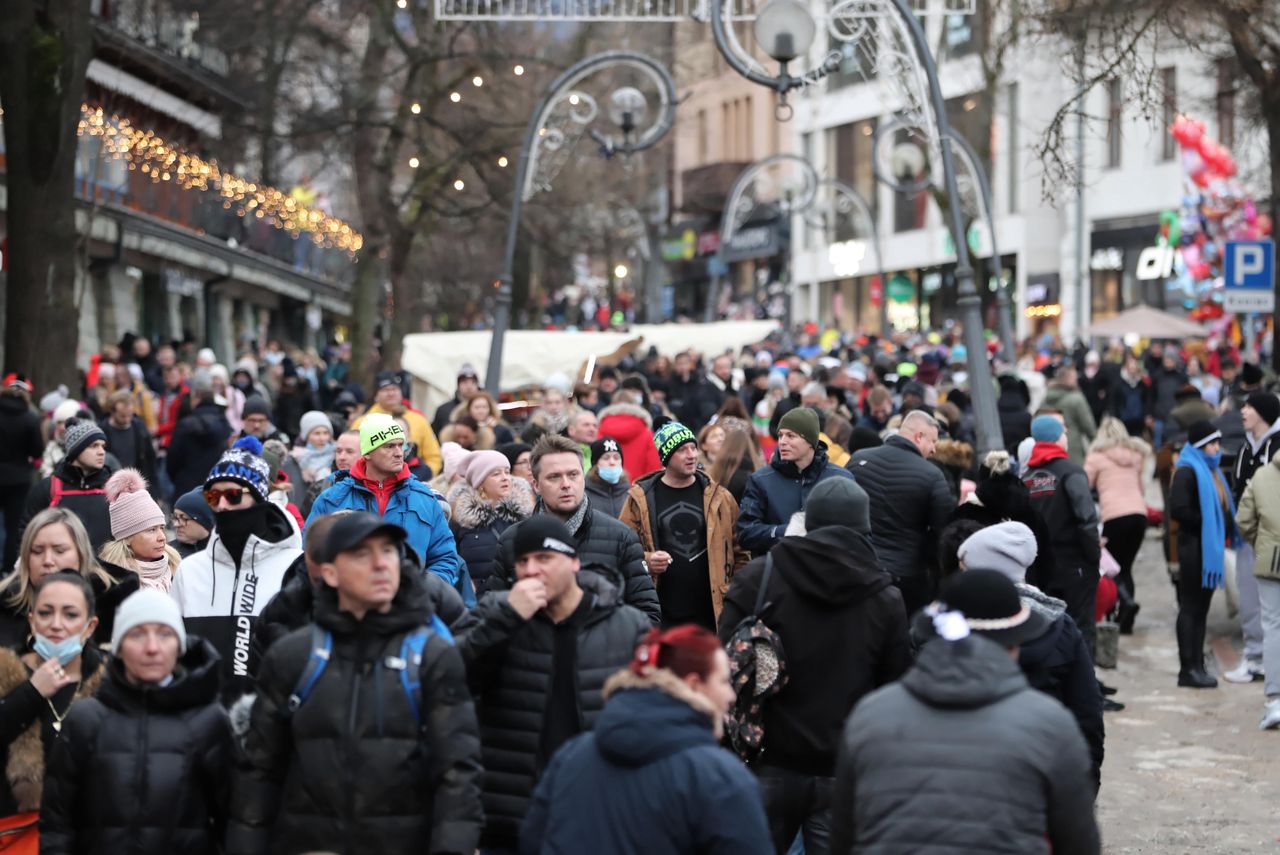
{"points": [[772, 601]]}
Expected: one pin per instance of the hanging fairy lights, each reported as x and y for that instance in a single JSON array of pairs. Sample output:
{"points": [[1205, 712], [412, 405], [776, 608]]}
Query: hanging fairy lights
{"points": [[150, 154]]}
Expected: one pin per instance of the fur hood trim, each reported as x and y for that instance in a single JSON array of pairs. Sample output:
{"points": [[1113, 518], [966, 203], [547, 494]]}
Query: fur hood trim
{"points": [[949, 452], [1039, 601], [628, 410], [240, 713], [25, 769], [665, 681], [470, 511]]}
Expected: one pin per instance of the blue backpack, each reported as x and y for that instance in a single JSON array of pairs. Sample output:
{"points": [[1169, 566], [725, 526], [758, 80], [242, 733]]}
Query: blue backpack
{"points": [[408, 663]]}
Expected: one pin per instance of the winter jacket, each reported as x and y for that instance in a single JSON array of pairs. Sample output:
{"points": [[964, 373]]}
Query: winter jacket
{"points": [[477, 524], [962, 756], [910, 504], [1164, 390], [133, 447], [1081, 428], [1130, 401], [351, 770], [420, 434], [221, 602], [143, 770], [738, 481], [1253, 455], [1259, 519], [509, 668], [403, 500], [1003, 498], [20, 442], [607, 548], [90, 507], [1184, 508], [631, 426], [1058, 664], [608, 498], [169, 403], [720, 512], [1060, 494], [693, 401], [1097, 389], [774, 493], [27, 735], [650, 778], [198, 441], [1116, 474], [844, 633]]}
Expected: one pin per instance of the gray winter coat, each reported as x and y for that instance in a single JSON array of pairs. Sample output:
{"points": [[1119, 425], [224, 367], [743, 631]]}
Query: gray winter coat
{"points": [[962, 756]]}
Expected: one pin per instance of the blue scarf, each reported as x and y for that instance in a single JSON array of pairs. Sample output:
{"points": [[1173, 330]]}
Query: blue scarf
{"points": [[1214, 538]]}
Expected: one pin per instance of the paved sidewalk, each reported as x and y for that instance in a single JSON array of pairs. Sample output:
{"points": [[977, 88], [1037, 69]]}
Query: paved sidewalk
{"points": [[1186, 771]]}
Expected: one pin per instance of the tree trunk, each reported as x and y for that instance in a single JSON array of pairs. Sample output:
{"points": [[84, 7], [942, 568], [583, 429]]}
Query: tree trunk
{"points": [[44, 51], [1271, 110]]}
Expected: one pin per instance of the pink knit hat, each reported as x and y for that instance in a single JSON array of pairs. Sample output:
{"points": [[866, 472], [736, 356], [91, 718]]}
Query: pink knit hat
{"points": [[479, 465], [131, 506], [451, 455]]}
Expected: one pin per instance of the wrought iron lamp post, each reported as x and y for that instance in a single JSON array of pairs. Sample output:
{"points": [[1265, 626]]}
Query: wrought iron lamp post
{"points": [[563, 114]]}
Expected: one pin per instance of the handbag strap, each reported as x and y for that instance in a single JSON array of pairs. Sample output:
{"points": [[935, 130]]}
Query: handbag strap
{"points": [[764, 585]]}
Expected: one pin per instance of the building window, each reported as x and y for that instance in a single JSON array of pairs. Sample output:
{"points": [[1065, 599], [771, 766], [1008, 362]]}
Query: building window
{"points": [[1115, 114], [851, 148], [1013, 147], [1226, 103], [1169, 91]]}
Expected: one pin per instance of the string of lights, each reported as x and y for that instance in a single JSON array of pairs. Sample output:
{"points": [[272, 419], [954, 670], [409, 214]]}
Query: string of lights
{"points": [[150, 154]]}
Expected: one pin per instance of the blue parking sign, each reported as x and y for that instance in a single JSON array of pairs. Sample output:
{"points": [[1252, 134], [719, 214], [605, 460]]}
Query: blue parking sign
{"points": [[1249, 270]]}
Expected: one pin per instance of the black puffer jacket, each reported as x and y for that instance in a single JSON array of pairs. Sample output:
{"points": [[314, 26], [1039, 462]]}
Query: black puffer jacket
{"points": [[478, 524], [292, 606], [910, 504], [605, 497], [351, 771], [607, 547], [776, 492], [509, 666], [142, 770], [1015, 417], [198, 441], [960, 756], [91, 507], [1060, 493], [1002, 497], [20, 442], [844, 633]]}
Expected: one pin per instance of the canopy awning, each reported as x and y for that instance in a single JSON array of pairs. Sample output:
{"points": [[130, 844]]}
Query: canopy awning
{"points": [[1147, 322]]}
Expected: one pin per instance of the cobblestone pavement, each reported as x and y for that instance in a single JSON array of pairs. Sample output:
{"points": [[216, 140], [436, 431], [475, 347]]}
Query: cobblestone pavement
{"points": [[1186, 771]]}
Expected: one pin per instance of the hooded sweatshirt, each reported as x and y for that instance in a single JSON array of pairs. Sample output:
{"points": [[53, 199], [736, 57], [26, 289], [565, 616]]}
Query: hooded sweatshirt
{"points": [[844, 633], [630, 426]]}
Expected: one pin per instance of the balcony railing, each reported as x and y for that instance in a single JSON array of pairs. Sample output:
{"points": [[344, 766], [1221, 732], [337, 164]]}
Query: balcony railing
{"points": [[156, 24]]}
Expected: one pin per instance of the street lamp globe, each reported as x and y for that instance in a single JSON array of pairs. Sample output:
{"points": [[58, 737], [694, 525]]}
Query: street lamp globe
{"points": [[627, 108], [785, 29]]}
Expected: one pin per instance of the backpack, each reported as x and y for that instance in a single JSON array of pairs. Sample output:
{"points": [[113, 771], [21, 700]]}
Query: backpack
{"points": [[757, 671], [56, 492], [408, 663]]}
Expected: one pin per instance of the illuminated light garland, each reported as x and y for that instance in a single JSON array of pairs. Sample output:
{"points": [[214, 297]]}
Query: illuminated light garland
{"points": [[148, 153]]}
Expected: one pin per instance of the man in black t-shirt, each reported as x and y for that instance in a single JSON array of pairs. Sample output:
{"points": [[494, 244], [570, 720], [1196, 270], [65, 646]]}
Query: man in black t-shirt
{"points": [[686, 524]]}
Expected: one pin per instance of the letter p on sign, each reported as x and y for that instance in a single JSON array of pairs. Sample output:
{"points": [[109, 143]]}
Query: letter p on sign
{"points": [[1250, 261]]}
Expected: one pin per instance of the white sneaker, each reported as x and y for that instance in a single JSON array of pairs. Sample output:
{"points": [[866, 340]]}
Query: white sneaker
{"points": [[1270, 715], [1246, 672]]}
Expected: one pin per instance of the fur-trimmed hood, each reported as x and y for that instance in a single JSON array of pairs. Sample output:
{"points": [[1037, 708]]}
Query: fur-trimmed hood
{"points": [[24, 770], [471, 511], [622, 409], [950, 452], [635, 730]]}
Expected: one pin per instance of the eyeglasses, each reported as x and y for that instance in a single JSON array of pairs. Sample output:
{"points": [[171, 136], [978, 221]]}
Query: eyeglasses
{"points": [[233, 495], [180, 519]]}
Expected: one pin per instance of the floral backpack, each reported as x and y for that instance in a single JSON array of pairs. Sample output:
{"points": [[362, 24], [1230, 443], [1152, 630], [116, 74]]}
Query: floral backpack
{"points": [[757, 671]]}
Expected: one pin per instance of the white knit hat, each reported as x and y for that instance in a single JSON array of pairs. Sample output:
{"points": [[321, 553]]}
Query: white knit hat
{"points": [[311, 420], [148, 606]]}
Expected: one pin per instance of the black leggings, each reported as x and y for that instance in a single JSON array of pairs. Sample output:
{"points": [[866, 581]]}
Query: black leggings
{"points": [[1124, 538], [1193, 615]]}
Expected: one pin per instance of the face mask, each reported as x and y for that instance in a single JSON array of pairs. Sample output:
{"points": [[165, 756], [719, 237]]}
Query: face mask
{"points": [[64, 651], [612, 474]]}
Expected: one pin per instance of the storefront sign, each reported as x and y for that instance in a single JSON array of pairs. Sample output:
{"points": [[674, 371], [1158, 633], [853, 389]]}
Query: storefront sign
{"points": [[1107, 258], [901, 289], [753, 242], [708, 243], [846, 257], [1155, 262], [177, 282], [1042, 289], [683, 246]]}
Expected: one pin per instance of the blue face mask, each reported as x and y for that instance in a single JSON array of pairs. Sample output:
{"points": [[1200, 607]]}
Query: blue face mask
{"points": [[612, 474], [64, 651]]}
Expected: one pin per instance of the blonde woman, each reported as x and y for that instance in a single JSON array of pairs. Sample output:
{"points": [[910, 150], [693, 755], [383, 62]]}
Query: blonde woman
{"points": [[54, 541], [484, 409], [1114, 465], [139, 543]]}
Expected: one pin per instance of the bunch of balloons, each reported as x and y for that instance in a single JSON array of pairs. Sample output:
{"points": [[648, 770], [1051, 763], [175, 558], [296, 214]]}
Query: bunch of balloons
{"points": [[1215, 209]]}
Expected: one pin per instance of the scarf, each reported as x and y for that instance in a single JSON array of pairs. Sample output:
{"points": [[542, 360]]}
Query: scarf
{"points": [[316, 462], [155, 574], [235, 527], [574, 522], [1214, 537]]}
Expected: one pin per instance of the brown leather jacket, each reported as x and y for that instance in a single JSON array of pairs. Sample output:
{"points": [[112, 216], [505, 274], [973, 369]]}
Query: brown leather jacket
{"points": [[724, 556]]}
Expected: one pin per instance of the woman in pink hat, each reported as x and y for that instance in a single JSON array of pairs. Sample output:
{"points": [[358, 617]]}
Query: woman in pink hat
{"points": [[139, 543]]}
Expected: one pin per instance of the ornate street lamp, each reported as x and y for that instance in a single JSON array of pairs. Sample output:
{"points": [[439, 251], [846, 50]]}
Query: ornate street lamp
{"points": [[563, 115], [905, 61]]}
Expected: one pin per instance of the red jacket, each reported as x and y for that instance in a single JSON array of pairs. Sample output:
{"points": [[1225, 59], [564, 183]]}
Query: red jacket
{"points": [[629, 425], [169, 404]]}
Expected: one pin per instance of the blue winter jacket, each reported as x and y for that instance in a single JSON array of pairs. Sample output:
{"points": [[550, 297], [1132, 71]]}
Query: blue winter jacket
{"points": [[776, 492], [650, 778], [412, 506]]}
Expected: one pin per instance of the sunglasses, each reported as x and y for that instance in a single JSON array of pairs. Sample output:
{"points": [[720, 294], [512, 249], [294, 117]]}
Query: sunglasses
{"points": [[233, 495]]}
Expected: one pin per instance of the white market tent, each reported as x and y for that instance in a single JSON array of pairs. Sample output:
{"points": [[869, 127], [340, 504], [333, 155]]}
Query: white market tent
{"points": [[529, 357], [1147, 322]]}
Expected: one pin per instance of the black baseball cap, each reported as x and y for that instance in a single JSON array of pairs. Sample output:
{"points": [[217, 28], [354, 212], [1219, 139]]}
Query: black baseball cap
{"points": [[351, 530], [388, 378], [544, 533]]}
